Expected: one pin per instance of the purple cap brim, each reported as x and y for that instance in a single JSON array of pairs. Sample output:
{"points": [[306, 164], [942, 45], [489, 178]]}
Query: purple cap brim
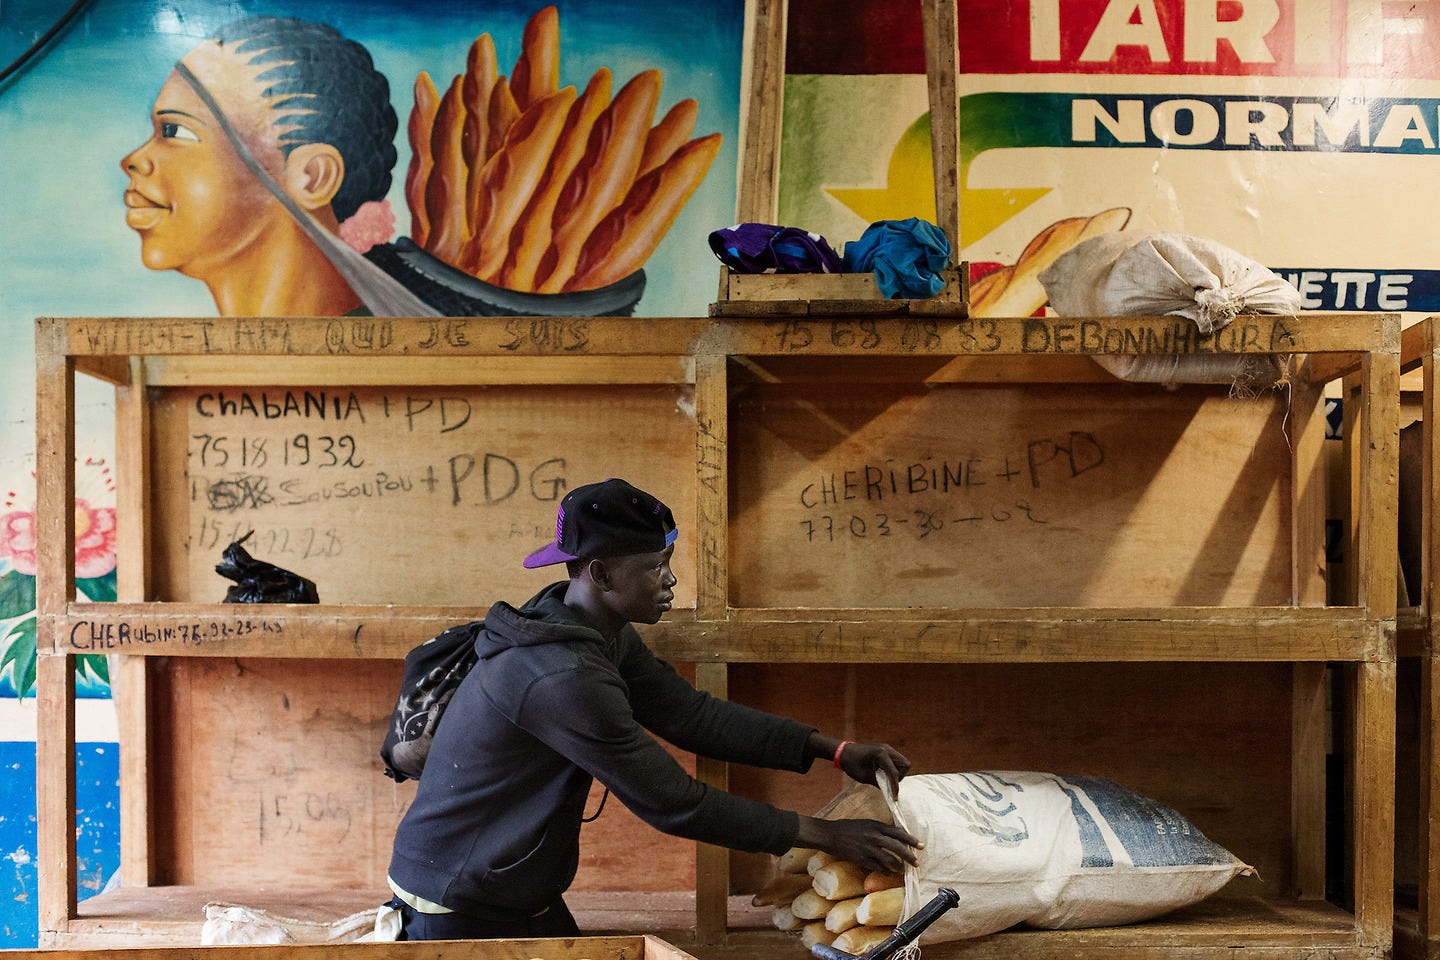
{"points": [[546, 555], [552, 554]]}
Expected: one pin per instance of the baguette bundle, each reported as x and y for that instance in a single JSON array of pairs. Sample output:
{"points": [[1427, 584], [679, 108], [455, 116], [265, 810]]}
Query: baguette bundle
{"points": [[525, 185], [833, 901], [1015, 290]]}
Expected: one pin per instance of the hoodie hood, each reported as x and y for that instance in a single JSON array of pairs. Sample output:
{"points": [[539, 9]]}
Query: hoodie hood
{"points": [[543, 619]]}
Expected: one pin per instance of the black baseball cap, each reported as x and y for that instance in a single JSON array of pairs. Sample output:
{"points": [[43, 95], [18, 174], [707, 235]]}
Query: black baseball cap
{"points": [[611, 518]]}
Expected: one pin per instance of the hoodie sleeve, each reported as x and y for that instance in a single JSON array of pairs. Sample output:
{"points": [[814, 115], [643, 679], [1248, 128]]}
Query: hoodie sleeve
{"points": [[697, 722], [587, 718]]}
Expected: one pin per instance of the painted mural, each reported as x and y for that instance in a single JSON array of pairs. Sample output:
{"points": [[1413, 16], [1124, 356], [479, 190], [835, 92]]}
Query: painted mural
{"points": [[202, 157]]}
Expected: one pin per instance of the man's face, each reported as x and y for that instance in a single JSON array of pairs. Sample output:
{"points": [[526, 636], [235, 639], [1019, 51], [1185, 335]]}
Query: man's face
{"points": [[191, 198], [642, 586]]}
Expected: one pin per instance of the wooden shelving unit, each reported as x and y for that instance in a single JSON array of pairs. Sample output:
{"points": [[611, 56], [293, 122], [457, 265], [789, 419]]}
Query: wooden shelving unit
{"points": [[1194, 556], [1417, 903]]}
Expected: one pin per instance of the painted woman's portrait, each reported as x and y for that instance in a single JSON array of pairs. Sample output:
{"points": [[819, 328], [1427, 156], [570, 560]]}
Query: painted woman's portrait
{"points": [[269, 143]]}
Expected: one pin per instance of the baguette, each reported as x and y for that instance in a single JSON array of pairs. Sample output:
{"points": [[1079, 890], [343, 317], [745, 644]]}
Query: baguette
{"points": [[784, 918], [858, 940], [603, 177], [883, 881], [510, 177], [795, 859], [1016, 291], [448, 225], [422, 122], [481, 72], [817, 860], [815, 932], [533, 232], [809, 905], [782, 889], [626, 238], [537, 70], [839, 880], [843, 916], [668, 135], [882, 908]]}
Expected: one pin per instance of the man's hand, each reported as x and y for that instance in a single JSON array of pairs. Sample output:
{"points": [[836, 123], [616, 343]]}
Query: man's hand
{"points": [[864, 761], [870, 844]]}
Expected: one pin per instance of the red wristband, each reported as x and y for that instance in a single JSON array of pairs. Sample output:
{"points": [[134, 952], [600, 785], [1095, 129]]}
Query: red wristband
{"points": [[839, 750]]}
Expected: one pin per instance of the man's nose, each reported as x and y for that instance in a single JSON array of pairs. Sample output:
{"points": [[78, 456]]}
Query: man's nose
{"points": [[138, 160]]}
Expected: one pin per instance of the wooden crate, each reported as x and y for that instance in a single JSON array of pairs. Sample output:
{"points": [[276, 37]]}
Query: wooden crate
{"points": [[1417, 905], [1075, 638]]}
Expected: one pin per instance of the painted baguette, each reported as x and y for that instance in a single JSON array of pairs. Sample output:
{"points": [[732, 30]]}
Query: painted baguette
{"points": [[626, 238], [533, 232], [444, 192], [858, 940], [781, 890], [510, 177], [882, 908], [1016, 291], [667, 136], [537, 70], [422, 122], [481, 72], [603, 178], [502, 112]]}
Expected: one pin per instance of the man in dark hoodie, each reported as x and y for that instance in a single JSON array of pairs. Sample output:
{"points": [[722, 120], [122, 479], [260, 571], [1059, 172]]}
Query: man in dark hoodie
{"points": [[564, 692]]}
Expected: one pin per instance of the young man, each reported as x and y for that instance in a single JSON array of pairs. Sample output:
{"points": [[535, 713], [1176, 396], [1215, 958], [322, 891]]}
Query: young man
{"points": [[565, 692]]}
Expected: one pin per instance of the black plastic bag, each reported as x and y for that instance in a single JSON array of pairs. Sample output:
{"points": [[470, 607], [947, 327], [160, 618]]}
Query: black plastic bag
{"points": [[259, 582]]}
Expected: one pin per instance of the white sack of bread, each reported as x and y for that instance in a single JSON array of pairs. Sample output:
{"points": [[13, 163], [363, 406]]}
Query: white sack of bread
{"points": [[1164, 274], [839, 880], [1050, 851]]}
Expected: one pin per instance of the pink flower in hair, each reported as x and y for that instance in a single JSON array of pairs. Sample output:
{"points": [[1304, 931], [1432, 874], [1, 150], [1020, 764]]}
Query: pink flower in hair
{"points": [[373, 222]]}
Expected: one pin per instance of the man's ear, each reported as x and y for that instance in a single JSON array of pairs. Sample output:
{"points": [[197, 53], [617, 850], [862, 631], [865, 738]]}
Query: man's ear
{"points": [[599, 573], [313, 174]]}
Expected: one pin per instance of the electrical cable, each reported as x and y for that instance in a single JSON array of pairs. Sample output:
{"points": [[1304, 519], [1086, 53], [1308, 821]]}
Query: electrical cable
{"points": [[19, 62]]}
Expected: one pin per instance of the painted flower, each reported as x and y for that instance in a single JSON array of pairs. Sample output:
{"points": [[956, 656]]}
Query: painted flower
{"points": [[94, 540], [372, 223]]}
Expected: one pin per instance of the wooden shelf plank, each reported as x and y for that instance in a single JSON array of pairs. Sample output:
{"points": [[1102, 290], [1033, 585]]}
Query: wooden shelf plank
{"points": [[173, 916], [1296, 634]]}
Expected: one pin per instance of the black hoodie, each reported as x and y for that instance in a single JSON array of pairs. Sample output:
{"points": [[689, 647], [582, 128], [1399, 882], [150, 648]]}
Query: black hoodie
{"points": [[495, 825]]}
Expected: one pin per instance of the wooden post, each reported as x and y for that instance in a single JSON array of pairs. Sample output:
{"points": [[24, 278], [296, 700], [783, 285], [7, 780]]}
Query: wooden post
{"points": [[712, 517], [129, 685], [54, 590], [942, 75], [762, 110], [1429, 833]]}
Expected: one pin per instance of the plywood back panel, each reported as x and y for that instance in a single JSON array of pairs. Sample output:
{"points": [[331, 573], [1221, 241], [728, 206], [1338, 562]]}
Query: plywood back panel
{"points": [[269, 775], [896, 495], [404, 495]]}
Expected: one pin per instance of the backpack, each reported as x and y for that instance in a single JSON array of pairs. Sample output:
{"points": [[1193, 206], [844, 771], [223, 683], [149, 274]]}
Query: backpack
{"points": [[433, 671]]}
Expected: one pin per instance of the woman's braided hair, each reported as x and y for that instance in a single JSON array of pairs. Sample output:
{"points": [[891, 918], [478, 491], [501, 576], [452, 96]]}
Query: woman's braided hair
{"points": [[328, 91]]}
